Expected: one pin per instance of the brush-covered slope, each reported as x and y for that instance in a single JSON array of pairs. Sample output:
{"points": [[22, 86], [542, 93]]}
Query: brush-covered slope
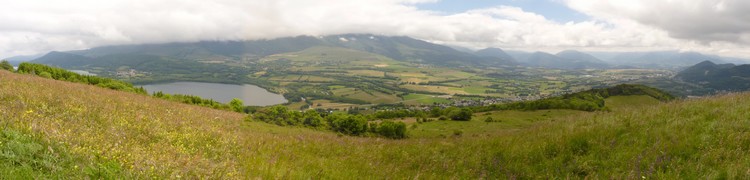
{"points": [[54, 129]]}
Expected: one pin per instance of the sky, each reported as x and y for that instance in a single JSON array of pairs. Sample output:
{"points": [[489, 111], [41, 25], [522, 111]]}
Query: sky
{"points": [[718, 27]]}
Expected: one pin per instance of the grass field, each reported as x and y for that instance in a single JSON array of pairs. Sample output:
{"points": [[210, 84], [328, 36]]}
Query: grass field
{"points": [[423, 99], [78, 131], [436, 89], [503, 122], [623, 102]]}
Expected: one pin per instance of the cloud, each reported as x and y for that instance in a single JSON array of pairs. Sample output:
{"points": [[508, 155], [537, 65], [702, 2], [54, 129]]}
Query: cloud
{"points": [[700, 20], [34, 26]]}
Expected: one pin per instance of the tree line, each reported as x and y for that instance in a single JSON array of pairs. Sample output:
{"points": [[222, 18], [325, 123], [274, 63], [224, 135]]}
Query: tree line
{"points": [[590, 100], [6, 65], [341, 122]]}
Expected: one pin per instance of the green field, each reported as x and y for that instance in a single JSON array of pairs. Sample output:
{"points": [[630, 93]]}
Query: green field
{"points": [[503, 122], [422, 99], [624, 102]]}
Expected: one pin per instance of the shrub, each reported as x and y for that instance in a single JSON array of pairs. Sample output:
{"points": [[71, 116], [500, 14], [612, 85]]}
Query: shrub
{"points": [[45, 75], [463, 114], [6, 65], [236, 105], [457, 133], [489, 119], [279, 115], [394, 130], [312, 118], [348, 124]]}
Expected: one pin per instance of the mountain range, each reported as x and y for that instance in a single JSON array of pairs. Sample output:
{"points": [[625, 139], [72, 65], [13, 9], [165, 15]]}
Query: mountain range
{"points": [[399, 48], [395, 47], [568, 59]]}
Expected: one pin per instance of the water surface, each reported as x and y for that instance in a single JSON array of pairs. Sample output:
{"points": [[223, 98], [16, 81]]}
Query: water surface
{"points": [[251, 95]]}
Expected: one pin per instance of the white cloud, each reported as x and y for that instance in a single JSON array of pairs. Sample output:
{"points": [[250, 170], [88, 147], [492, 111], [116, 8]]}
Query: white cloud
{"points": [[33, 26], [708, 25]]}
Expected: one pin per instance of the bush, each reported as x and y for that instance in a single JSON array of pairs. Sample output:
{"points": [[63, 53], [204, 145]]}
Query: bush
{"points": [[6, 65], [463, 114], [457, 133], [236, 105], [489, 119], [312, 118], [279, 115], [45, 75], [348, 124], [393, 130]]}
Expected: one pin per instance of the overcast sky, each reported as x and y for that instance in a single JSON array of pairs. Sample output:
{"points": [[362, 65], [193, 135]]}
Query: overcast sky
{"points": [[710, 26]]}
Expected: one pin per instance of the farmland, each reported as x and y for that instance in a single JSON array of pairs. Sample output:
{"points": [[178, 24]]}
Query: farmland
{"points": [[363, 79]]}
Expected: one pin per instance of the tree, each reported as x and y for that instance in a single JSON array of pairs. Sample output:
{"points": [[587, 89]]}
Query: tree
{"points": [[6, 65], [236, 105], [463, 114], [279, 115], [394, 130], [348, 124], [312, 118]]}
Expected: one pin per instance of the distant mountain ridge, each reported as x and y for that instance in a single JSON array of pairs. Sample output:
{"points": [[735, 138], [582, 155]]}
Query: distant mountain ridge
{"points": [[399, 48], [568, 59], [396, 47], [495, 52], [725, 77], [651, 59], [15, 60], [663, 59]]}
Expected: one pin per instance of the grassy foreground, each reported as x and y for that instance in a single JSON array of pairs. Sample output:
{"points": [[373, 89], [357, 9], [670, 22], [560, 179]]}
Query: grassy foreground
{"points": [[53, 129]]}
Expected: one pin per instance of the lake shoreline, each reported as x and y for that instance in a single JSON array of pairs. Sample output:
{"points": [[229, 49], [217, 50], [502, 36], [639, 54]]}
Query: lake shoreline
{"points": [[251, 95]]}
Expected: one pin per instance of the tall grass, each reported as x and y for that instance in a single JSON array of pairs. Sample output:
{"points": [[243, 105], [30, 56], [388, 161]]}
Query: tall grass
{"points": [[107, 133]]}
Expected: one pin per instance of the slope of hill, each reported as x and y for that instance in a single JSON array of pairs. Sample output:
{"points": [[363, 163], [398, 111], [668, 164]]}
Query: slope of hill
{"points": [[726, 77], [80, 131]]}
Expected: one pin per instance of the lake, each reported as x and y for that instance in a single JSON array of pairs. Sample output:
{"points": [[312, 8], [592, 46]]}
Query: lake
{"points": [[251, 95]]}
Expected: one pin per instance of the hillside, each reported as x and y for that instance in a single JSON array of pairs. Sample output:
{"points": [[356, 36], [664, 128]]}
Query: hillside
{"points": [[77, 131], [725, 77]]}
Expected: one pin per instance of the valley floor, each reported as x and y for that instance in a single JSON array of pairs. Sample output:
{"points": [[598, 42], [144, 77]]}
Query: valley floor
{"points": [[54, 129]]}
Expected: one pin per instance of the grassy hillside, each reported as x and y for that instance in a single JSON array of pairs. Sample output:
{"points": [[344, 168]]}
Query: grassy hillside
{"points": [[77, 131], [616, 103]]}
